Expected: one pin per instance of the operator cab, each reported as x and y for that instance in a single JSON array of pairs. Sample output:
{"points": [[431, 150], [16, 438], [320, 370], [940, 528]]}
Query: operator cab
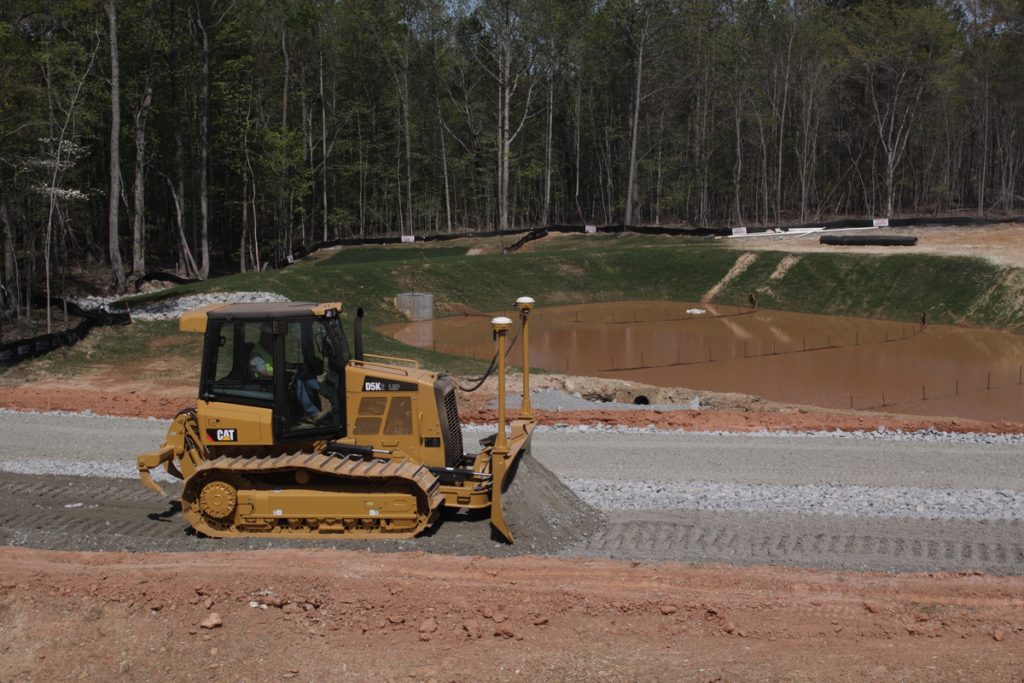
{"points": [[289, 358]]}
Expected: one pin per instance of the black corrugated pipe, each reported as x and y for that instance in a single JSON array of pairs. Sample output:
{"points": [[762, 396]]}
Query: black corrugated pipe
{"points": [[357, 332]]}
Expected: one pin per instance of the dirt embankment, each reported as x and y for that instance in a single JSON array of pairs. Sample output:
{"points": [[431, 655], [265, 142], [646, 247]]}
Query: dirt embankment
{"points": [[724, 412], [330, 615]]}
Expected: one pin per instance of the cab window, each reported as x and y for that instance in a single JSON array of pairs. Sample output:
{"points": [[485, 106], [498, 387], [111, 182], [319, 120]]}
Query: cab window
{"points": [[237, 352]]}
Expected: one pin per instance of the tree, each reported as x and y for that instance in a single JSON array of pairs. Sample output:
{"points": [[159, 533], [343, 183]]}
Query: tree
{"points": [[113, 243], [899, 53], [505, 53]]}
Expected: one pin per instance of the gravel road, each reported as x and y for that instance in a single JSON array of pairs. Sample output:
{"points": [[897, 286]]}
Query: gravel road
{"points": [[890, 503]]}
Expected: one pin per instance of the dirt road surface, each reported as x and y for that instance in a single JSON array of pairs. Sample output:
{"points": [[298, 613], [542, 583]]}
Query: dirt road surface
{"points": [[1000, 243], [333, 615]]}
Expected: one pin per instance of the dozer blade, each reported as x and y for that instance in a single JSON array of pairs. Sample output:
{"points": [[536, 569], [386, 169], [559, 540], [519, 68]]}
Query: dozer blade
{"points": [[503, 471]]}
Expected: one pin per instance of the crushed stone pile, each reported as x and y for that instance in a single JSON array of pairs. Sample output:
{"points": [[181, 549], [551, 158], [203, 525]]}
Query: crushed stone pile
{"points": [[172, 308], [546, 516]]}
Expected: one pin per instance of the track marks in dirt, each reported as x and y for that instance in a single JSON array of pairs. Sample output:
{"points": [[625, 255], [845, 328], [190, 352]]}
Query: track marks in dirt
{"points": [[813, 541], [125, 516]]}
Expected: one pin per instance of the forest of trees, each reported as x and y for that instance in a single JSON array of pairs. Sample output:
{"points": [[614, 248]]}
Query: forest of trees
{"points": [[223, 135]]}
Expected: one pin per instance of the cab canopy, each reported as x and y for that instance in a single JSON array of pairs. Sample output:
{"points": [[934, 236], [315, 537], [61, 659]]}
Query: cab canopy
{"points": [[195, 320]]}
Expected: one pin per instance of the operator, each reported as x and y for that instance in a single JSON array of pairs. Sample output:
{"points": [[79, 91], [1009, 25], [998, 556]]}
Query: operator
{"points": [[261, 361]]}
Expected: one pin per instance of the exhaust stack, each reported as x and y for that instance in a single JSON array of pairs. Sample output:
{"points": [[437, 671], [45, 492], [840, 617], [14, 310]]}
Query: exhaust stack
{"points": [[357, 333]]}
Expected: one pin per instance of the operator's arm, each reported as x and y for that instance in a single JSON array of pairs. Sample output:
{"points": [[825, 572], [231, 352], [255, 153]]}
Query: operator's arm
{"points": [[259, 366]]}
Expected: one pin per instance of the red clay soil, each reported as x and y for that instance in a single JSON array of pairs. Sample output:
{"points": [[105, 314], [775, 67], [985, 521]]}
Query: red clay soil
{"points": [[332, 615], [164, 402]]}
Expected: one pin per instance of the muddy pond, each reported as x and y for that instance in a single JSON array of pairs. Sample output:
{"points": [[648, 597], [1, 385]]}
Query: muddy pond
{"points": [[828, 361]]}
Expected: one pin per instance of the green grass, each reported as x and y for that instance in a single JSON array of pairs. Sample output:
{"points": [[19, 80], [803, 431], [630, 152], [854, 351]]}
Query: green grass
{"points": [[899, 287], [580, 269], [152, 351], [394, 254]]}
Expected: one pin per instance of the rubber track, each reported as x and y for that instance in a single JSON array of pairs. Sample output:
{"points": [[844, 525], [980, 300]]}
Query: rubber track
{"points": [[373, 470]]}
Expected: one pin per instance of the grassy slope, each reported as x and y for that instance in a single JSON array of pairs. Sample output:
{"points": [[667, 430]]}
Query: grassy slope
{"points": [[897, 287], [579, 269]]}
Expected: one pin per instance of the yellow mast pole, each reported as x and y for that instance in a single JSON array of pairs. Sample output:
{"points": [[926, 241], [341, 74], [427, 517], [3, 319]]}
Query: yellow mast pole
{"points": [[525, 304], [501, 326]]}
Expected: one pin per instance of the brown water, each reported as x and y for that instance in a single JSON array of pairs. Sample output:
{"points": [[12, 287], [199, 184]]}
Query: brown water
{"points": [[833, 362]]}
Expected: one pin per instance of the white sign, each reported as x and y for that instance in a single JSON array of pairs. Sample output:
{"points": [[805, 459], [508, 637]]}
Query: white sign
{"points": [[408, 239], [590, 228]]}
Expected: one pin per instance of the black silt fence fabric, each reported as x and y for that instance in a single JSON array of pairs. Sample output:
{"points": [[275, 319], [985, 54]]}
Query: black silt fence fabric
{"points": [[12, 353]]}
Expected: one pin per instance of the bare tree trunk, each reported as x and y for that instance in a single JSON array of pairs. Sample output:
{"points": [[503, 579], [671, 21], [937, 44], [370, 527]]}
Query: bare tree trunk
{"points": [[250, 176], [285, 218], [982, 180], [546, 213], [245, 223], [578, 105], [658, 179], [323, 145], [116, 264], [503, 111], [408, 149], [178, 187], [635, 124], [737, 169], [762, 208], [512, 64], [362, 179], [204, 146], [139, 217], [781, 118], [188, 263], [10, 275], [444, 171], [307, 136]]}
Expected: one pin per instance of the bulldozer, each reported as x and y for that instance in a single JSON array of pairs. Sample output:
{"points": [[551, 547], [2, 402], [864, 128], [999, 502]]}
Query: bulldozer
{"points": [[296, 435]]}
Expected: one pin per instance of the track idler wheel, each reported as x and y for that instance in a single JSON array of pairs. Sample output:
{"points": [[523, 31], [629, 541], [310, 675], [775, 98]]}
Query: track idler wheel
{"points": [[218, 499]]}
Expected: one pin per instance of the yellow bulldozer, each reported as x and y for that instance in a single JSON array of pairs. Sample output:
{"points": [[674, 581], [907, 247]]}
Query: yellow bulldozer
{"points": [[295, 435]]}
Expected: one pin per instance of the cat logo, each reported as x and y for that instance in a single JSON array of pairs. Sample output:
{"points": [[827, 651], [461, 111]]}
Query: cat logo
{"points": [[222, 435]]}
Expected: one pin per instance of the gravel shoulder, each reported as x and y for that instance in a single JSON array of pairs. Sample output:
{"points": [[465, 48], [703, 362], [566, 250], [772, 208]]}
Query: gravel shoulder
{"points": [[881, 502]]}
